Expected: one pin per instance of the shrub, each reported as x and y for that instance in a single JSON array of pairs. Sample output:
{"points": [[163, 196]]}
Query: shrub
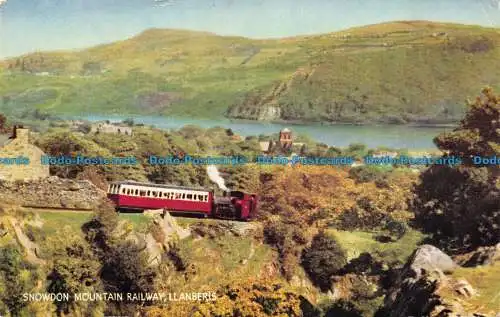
{"points": [[359, 218], [35, 234], [12, 269], [286, 238], [323, 259], [343, 308], [367, 173]]}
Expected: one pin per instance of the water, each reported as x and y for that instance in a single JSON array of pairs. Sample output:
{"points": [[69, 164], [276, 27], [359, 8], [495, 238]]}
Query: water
{"points": [[392, 136]]}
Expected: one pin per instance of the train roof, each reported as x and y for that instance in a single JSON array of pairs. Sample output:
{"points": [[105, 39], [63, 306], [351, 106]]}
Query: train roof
{"points": [[160, 185]]}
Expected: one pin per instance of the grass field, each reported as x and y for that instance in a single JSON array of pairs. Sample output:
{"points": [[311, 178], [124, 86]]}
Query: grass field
{"points": [[357, 242], [56, 219]]}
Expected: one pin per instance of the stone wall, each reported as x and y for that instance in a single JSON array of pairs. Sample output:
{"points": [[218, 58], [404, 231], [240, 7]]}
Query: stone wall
{"points": [[53, 192], [26, 159]]}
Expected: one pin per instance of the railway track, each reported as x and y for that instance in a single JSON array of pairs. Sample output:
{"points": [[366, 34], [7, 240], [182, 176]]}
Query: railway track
{"points": [[57, 209]]}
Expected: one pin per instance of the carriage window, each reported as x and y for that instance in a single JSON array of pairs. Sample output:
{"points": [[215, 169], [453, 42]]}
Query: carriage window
{"points": [[143, 193], [149, 193], [155, 193], [200, 197], [183, 196], [159, 194], [136, 192], [128, 191], [189, 196], [123, 190]]}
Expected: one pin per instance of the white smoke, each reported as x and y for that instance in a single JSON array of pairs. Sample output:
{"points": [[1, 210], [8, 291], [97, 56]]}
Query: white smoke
{"points": [[214, 175], [2, 2]]}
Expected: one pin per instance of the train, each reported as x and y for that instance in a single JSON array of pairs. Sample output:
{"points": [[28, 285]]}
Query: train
{"points": [[135, 196]]}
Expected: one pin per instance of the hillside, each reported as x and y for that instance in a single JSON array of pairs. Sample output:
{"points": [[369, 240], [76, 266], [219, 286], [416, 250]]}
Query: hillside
{"points": [[396, 72]]}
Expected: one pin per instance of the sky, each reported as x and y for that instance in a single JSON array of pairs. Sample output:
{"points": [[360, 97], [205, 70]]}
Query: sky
{"points": [[37, 25]]}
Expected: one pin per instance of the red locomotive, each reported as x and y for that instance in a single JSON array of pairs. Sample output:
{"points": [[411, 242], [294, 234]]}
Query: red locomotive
{"points": [[137, 196]]}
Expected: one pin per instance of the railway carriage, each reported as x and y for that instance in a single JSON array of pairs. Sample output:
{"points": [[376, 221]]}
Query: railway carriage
{"points": [[137, 196]]}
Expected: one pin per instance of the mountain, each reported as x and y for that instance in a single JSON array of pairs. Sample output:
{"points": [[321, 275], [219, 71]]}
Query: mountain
{"points": [[398, 72]]}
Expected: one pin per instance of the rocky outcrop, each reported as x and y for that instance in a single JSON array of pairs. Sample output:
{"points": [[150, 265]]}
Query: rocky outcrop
{"points": [[429, 259], [53, 192], [423, 274], [30, 248], [481, 256], [163, 234], [426, 288]]}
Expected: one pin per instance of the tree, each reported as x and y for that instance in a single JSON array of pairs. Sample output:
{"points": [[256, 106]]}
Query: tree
{"points": [[124, 265], [15, 281], [3, 121], [75, 269], [129, 122], [459, 206], [323, 259]]}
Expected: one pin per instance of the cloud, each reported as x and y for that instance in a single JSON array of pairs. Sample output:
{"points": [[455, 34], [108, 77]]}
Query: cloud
{"points": [[2, 2]]}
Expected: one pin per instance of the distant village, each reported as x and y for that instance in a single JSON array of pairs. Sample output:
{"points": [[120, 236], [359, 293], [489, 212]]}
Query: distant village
{"points": [[18, 144]]}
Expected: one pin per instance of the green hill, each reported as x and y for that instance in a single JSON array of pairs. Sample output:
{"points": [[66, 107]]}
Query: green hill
{"points": [[399, 72]]}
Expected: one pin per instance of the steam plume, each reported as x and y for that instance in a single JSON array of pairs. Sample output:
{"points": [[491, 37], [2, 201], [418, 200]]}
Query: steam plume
{"points": [[213, 174]]}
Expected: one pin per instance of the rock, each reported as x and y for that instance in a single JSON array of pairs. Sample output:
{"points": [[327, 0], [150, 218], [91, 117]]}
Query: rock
{"points": [[171, 227], [154, 249], [428, 258], [29, 247], [74, 187], [481, 256], [423, 288], [420, 278], [463, 288], [164, 232]]}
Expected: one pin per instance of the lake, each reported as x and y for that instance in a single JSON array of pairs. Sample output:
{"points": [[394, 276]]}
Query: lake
{"points": [[393, 136]]}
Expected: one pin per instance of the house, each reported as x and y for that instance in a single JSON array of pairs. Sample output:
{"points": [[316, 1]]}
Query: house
{"points": [[285, 142], [286, 139], [266, 146], [19, 159], [105, 127]]}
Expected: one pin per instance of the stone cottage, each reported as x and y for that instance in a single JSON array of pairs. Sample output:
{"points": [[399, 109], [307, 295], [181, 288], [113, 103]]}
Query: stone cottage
{"points": [[104, 127], [19, 159]]}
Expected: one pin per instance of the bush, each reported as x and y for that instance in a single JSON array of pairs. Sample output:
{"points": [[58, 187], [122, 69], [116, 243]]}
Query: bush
{"points": [[35, 234], [12, 269], [356, 150], [323, 259], [359, 218], [343, 308], [364, 263], [286, 238], [368, 173]]}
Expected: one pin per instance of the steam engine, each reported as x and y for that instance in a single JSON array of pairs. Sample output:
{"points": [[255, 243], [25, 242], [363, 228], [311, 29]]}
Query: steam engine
{"points": [[136, 196], [235, 205]]}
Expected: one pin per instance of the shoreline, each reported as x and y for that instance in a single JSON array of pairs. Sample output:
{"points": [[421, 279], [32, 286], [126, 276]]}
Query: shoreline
{"points": [[114, 116]]}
